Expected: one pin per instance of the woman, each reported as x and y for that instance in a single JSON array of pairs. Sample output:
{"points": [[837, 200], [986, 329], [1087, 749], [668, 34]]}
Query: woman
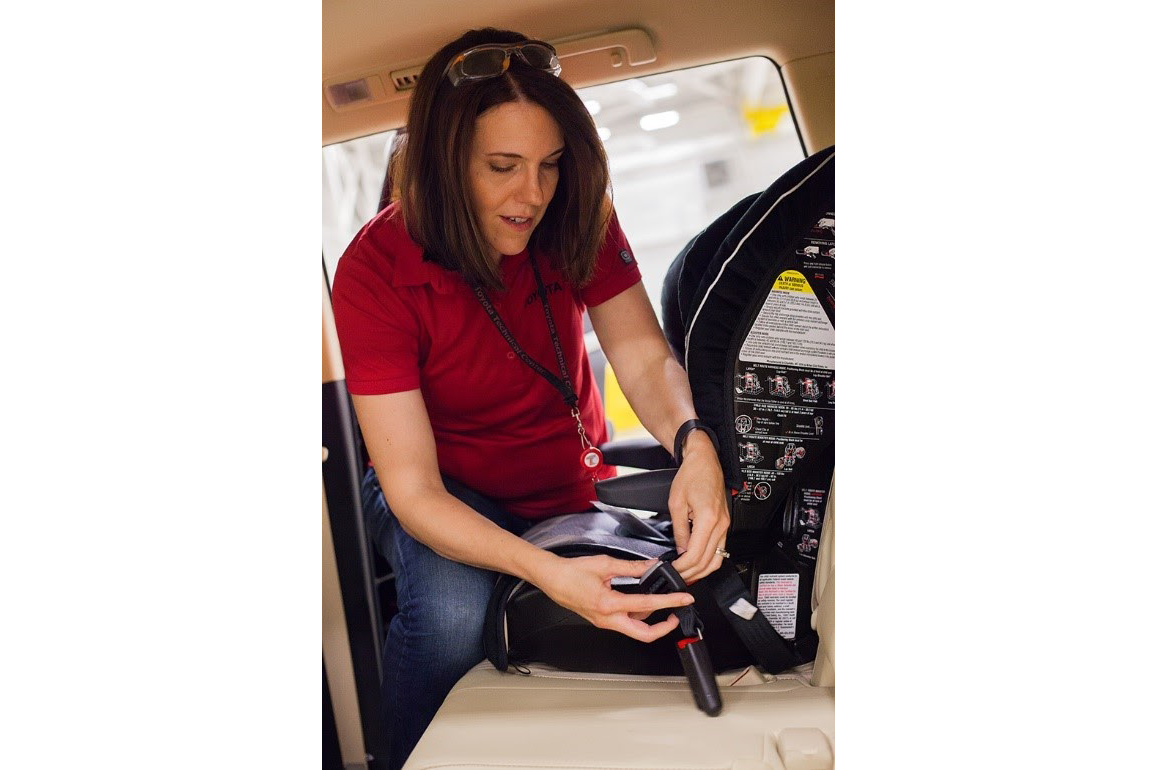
{"points": [[459, 312]]}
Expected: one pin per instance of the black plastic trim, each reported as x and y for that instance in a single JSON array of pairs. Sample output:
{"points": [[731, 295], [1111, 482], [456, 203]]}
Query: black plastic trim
{"points": [[341, 474]]}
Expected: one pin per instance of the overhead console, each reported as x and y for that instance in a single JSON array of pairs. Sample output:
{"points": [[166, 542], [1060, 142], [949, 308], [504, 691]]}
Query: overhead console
{"points": [[381, 96]]}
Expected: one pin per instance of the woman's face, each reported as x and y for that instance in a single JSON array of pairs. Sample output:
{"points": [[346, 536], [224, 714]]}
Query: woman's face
{"points": [[513, 173]]}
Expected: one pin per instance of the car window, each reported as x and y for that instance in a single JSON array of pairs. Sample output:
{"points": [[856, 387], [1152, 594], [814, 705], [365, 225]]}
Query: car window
{"points": [[351, 185], [683, 147]]}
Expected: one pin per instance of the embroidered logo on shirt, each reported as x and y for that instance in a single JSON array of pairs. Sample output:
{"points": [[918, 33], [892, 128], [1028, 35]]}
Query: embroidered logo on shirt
{"points": [[626, 257]]}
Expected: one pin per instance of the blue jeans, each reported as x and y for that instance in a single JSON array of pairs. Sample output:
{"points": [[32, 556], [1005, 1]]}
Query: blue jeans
{"points": [[436, 636]]}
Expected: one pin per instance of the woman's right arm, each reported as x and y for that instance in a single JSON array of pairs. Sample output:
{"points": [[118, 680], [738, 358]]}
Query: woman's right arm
{"points": [[397, 432]]}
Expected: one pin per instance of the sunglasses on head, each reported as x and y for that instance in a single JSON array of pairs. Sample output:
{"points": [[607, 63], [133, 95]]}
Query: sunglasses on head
{"points": [[491, 60]]}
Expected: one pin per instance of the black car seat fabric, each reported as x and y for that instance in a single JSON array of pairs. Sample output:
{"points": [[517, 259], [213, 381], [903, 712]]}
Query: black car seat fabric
{"points": [[749, 305], [686, 271], [523, 625], [759, 334]]}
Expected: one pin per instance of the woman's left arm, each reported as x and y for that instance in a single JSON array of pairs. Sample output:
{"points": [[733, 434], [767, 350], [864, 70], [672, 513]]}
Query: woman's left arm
{"points": [[657, 389]]}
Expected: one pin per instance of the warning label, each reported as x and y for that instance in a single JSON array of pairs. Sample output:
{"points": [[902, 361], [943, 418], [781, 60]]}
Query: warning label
{"points": [[792, 280], [778, 600], [791, 328]]}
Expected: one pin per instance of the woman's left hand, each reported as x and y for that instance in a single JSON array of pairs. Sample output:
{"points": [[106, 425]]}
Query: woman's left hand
{"points": [[657, 389], [699, 511]]}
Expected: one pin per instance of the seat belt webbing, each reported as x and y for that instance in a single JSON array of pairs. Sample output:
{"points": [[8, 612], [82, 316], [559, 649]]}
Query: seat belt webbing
{"points": [[769, 649]]}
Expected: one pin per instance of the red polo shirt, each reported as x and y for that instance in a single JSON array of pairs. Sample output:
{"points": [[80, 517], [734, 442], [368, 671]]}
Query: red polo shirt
{"points": [[503, 430]]}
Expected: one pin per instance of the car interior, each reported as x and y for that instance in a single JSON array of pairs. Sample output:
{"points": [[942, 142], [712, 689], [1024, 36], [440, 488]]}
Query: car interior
{"points": [[718, 120]]}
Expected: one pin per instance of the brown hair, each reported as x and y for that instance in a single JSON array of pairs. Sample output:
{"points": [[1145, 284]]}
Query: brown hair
{"points": [[433, 168]]}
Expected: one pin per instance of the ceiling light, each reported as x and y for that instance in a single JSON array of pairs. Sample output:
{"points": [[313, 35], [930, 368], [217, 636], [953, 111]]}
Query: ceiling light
{"points": [[604, 133], [661, 91], [657, 120], [592, 106]]}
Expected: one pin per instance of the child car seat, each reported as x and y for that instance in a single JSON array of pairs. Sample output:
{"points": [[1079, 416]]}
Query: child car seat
{"points": [[758, 330], [749, 307]]}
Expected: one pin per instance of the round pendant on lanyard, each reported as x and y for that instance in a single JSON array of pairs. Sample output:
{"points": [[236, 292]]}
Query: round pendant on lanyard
{"points": [[590, 458]]}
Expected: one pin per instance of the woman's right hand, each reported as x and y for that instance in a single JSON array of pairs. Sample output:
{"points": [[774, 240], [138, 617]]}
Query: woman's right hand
{"points": [[583, 585]]}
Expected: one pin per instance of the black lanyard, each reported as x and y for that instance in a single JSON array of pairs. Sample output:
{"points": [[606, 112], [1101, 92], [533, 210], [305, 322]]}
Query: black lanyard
{"points": [[563, 385], [590, 458]]}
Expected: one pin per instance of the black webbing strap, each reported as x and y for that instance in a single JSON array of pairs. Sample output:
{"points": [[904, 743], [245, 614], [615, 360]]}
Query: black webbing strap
{"points": [[563, 385], [769, 649]]}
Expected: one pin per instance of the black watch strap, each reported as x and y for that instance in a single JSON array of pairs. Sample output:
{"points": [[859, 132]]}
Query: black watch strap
{"points": [[684, 430]]}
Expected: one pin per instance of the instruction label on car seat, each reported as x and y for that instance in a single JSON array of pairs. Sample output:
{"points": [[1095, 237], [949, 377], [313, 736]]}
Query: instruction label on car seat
{"points": [[785, 394], [777, 597]]}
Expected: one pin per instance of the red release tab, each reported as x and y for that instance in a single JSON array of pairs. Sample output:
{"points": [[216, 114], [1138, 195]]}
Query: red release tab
{"points": [[591, 458], [684, 642]]}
